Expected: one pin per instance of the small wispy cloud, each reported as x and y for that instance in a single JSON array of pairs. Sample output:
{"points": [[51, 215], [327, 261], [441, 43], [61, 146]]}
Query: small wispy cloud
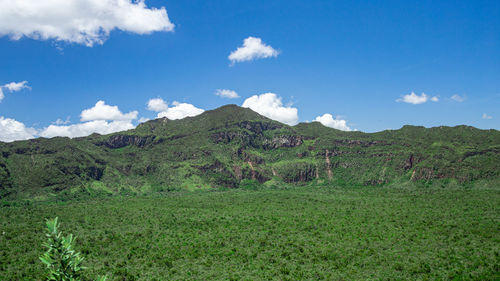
{"points": [[458, 98], [225, 93], [417, 99], [13, 87], [486, 116], [62, 122], [17, 86]]}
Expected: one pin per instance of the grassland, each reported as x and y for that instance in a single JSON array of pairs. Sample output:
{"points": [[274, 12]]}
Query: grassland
{"points": [[298, 233]]}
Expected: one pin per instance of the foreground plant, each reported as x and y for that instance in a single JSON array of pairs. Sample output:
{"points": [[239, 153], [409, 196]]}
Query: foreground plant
{"points": [[62, 261]]}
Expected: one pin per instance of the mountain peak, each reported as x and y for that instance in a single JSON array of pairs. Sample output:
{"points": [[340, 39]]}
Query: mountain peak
{"points": [[210, 119]]}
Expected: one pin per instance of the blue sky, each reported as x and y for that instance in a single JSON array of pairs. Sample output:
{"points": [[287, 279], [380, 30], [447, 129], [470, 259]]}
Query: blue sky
{"points": [[355, 60]]}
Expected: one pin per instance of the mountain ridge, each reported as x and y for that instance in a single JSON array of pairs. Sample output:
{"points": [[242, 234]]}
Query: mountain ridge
{"points": [[233, 146]]}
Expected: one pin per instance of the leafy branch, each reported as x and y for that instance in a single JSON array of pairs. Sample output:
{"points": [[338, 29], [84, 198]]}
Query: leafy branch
{"points": [[62, 261]]}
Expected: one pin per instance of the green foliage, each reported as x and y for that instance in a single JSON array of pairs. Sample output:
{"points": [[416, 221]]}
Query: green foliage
{"points": [[249, 184], [293, 233], [62, 261], [223, 147]]}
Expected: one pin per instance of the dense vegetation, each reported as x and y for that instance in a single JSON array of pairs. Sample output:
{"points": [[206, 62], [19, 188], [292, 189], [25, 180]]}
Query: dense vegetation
{"points": [[299, 233], [230, 194], [230, 146]]}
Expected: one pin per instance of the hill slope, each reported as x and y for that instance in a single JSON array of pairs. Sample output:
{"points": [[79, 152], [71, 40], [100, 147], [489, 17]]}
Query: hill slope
{"points": [[231, 145]]}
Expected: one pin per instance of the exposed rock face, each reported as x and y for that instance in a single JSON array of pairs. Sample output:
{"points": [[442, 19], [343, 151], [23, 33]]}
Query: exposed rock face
{"points": [[422, 174], [226, 137], [283, 141], [95, 172], [328, 165], [297, 172], [259, 127], [302, 175], [219, 174], [253, 170], [118, 141], [257, 140], [409, 163]]}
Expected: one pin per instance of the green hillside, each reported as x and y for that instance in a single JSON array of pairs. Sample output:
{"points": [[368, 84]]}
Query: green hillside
{"points": [[235, 147]]}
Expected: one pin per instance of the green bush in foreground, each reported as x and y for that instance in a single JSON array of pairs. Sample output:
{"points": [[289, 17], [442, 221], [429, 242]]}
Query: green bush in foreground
{"points": [[62, 261]]}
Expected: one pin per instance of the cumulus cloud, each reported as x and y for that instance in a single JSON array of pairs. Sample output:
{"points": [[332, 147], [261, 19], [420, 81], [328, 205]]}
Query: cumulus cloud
{"points": [[157, 105], [458, 98], [252, 48], [85, 22], [12, 130], [102, 111], [13, 87], [101, 119], [271, 106], [225, 93], [177, 111], [86, 128], [416, 99], [486, 116], [337, 123], [180, 110]]}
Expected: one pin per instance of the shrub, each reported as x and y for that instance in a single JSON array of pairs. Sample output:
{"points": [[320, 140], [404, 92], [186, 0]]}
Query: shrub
{"points": [[62, 261]]}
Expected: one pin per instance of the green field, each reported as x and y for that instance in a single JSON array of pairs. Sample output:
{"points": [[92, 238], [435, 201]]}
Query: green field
{"points": [[291, 234]]}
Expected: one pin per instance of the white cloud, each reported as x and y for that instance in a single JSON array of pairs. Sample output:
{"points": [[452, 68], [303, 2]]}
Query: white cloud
{"points": [[86, 128], [102, 119], [62, 122], [486, 116], [253, 48], [180, 110], [13, 87], [416, 99], [12, 130], [327, 120], [177, 111], [271, 106], [157, 105], [17, 86], [85, 22], [102, 111], [225, 93], [458, 98]]}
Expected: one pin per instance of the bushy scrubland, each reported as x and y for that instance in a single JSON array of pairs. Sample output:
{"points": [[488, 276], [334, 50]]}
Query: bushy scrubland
{"points": [[298, 233]]}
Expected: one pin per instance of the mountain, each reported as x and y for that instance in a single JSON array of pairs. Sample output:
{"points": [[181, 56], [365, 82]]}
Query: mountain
{"points": [[233, 146]]}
